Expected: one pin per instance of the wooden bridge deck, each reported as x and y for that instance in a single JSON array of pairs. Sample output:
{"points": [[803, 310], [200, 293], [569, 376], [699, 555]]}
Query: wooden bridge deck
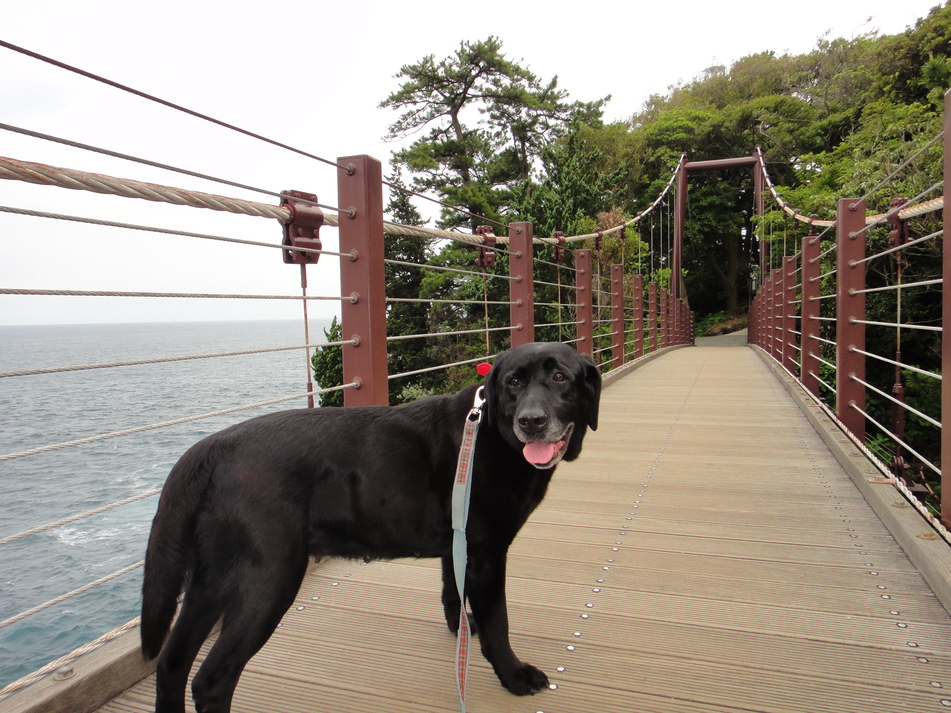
{"points": [[706, 553]]}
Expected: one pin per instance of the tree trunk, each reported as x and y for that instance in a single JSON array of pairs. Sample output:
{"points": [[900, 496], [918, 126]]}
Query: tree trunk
{"points": [[727, 278]]}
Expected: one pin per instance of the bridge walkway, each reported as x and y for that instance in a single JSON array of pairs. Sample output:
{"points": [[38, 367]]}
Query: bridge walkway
{"points": [[707, 553]]}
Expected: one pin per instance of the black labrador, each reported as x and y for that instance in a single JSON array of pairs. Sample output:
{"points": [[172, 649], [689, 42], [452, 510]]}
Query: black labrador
{"points": [[243, 509]]}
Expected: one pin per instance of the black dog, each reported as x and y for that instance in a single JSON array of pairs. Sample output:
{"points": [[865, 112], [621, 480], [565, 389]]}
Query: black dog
{"points": [[244, 508]]}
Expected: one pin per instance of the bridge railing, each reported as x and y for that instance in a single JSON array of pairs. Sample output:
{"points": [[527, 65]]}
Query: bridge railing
{"points": [[605, 315], [553, 292], [845, 318]]}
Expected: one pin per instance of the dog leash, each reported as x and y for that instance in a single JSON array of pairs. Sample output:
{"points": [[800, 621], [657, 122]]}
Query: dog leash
{"points": [[461, 493]]}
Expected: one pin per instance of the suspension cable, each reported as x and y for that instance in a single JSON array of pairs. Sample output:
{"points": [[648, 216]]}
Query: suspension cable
{"points": [[430, 335], [441, 366], [424, 266], [69, 595], [897, 248], [903, 165], [165, 231], [232, 127], [155, 164], [896, 363], [75, 654], [164, 424], [81, 516], [906, 212], [176, 295], [897, 440], [164, 360], [157, 100], [891, 398]]}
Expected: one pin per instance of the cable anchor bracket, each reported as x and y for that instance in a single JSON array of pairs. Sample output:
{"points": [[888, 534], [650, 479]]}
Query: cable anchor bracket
{"points": [[897, 227], [302, 230], [486, 256], [559, 237]]}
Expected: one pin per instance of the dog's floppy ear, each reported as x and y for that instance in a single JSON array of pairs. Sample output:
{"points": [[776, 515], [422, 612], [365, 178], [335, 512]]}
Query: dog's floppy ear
{"points": [[491, 395], [592, 391]]}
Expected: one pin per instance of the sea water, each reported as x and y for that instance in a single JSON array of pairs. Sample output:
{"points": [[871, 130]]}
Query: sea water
{"points": [[49, 409]]}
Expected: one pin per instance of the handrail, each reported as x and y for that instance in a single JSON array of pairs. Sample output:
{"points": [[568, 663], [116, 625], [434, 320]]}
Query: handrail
{"points": [[858, 397]]}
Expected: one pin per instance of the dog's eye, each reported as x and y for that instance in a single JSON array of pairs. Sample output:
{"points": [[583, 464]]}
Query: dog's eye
{"points": [[515, 381], [558, 376]]}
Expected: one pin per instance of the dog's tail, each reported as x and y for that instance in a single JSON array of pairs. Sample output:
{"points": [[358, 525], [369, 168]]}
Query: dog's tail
{"points": [[169, 554]]}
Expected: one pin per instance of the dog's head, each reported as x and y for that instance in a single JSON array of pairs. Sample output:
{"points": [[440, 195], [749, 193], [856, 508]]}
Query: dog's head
{"points": [[542, 397]]}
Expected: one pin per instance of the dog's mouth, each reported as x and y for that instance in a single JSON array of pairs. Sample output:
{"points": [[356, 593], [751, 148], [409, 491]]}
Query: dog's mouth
{"points": [[547, 454]]}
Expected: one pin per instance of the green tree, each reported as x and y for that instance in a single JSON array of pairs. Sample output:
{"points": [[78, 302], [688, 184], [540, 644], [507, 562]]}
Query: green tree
{"points": [[510, 112], [404, 281], [327, 363]]}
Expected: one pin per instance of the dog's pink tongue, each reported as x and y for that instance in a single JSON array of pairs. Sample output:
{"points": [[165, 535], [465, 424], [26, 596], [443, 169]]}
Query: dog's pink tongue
{"points": [[539, 452]]}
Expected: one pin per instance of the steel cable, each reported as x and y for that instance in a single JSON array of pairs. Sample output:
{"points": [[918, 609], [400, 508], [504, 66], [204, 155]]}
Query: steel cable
{"points": [[164, 231], [69, 595], [177, 295], [164, 360], [74, 518], [164, 424]]}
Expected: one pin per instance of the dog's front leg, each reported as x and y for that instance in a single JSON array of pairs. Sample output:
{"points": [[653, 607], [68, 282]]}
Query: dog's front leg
{"points": [[485, 589], [450, 595], [450, 598]]}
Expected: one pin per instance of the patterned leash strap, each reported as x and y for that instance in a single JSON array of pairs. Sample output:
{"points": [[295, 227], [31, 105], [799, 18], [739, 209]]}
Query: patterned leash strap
{"points": [[461, 491]]}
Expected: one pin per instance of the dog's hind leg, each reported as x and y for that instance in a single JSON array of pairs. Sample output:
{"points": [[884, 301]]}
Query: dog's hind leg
{"points": [[200, 610], [262, 593]]}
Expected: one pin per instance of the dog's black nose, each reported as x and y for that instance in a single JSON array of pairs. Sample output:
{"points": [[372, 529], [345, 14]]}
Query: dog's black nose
{"points": [[533, 421]]}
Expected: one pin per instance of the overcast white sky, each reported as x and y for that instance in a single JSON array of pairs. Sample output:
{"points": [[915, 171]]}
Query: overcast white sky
{"points": [[309, 74]]}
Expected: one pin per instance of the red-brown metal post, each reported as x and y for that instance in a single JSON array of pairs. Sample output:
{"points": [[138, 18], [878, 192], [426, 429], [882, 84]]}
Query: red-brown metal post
{"points": [[789, 317], [850, 306], [759, 208], [680, 214], [672, 308], [664, 319], [684, 322], [777, 305], [753, 333], [637, 303], [617, 315], [763, 316], [770, 307], [678, 322], [522, 286], [751, 321], [809, 324], [688, 323], [585, 309], [363, 317], [652, 316], [946, 320], [761, 321], [780, 307], [753, 336]]}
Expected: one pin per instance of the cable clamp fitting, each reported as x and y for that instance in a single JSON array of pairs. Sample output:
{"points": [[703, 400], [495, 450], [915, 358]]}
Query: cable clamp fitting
{"points": [[302, 230]]}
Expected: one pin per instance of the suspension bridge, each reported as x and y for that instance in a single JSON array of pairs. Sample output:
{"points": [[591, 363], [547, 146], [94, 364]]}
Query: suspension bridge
{"points": [[727, 541]]}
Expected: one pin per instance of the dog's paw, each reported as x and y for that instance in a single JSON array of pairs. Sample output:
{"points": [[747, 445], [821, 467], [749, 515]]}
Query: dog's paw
{"points": [[526, 680]]}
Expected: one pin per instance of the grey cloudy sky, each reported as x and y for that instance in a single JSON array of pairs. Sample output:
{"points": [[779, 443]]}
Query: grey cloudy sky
{"points": [[308, 74]]}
